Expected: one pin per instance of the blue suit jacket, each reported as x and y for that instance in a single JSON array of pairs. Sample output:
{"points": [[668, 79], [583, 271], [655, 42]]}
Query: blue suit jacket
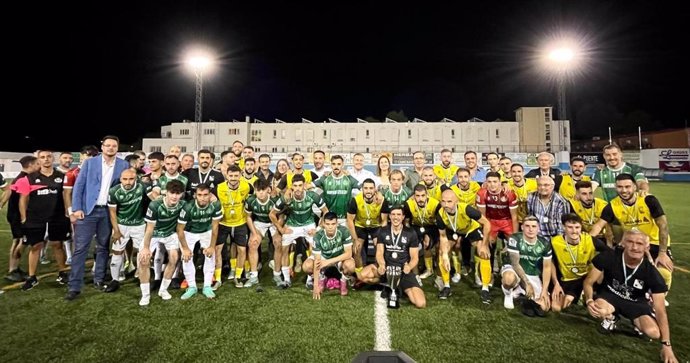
{"points": [[88, 183]]}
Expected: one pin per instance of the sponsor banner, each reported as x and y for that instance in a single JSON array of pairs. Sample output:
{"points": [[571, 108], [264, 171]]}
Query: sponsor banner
{"points": [[526, 159], [591, 158], [675, 166], [632, 157], [408, 158], [674, 155]]}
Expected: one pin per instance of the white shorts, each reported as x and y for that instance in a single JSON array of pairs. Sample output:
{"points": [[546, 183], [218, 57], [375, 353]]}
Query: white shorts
{"points": [[171, 242], [298, 232], [342, 222], [136, 233], [262, 227], [204, 239], [535, 281]]}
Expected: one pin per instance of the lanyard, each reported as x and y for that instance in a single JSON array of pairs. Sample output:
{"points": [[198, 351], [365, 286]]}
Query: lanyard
{"points": [[570, 251], [422, 217], [454, 223], [203, 180], [366, 209], [396, 241], [546, 210], [630, 218], [625, 270]]}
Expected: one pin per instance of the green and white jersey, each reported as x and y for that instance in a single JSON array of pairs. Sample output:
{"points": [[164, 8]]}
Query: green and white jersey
{"points": [[197, 219], [606, 178], [299, 212], [337, 192], [164, 217], [129, 203], [396, 199], [165, 178], [532, 256], [329, 247], [258, 209]]}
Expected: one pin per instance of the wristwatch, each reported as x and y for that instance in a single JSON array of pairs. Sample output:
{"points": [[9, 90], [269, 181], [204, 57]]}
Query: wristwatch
{"points": [[666, 343]]}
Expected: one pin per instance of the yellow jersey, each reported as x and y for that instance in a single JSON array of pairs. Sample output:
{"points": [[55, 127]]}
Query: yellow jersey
{"points": [[232, 202], [250, 180], [365, 212], [637, 216], [445, 174], [574, 262], [422, 216], [567, 188], [433, 191], [460, 223], [468, 196], [589, 215], [522, 192]]}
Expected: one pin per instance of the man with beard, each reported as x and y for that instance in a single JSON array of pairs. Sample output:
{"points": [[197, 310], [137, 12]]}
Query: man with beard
{"points": [[446, 170], [298, 169], [433, 186], [589, 209], [505, 163], [172, 172], [522, 188], [318, 158], [249, 172], [337, 189], [126, 209], [264, 171], [568, 181], [627, 278], [476, 173], [203, 174], [420, 214], [365, 214], [258, 207], [644, 213], [237, 148], [332, 251], [466, 192], [606, 177]]}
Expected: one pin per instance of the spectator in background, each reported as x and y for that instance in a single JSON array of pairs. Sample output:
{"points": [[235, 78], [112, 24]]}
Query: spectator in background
{"points": [[383, 171], [544, 160], [187, 162], [175, 150], [413, 176], [319, 158], [476, 173]]}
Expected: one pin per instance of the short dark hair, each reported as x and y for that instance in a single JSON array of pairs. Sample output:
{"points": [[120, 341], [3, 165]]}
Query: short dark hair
{"points": [[202, 187], [131, 157], [298, 178], [368, 180], [611, 146], [420, 188], [110, 137], [89, 150], [518, 165], [337, 157], [26, 161], [571, 218], [234, 169], [330, 216], [492, 153], [625, 176], [493, 174], [583, 184], [205, 151], [264, 156], [175, 186], [66, 153], [578, 159], [465, 170], [249, 147], [157, 155], [261, 184], [469, 152], [250, 159], [397, 206], [320, 152]]}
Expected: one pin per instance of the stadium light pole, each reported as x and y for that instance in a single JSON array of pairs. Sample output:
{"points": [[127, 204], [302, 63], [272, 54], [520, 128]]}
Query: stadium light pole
{"points": [[562, 58], [199, 64]]}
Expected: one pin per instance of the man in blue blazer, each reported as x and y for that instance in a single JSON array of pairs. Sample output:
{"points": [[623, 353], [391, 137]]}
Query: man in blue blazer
{"points": [[89, 212]]}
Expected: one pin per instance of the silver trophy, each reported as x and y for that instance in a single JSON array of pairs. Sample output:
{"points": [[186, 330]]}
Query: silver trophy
{"points": [[393, 275]]}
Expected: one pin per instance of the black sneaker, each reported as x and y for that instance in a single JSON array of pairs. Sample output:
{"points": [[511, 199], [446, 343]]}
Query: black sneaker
{"points": [[15, 276], [445, 293], [155, 285], [485, 296], [63, 277], [71, 295], [30, 283], [174, 284], [607, 326], [112, 286], [386, 292], [25, 276], [528, 308], [538, 311], [99, 286]]}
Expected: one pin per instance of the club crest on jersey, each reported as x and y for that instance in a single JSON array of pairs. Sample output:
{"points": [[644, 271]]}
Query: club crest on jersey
{"points": [[638, 284], [504, 199], [58, 180], [388, 238]]}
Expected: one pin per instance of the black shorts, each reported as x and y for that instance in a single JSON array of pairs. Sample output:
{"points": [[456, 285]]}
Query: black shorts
{"points": [[16, 227], [407, 281], [654, 251], [472, 236], [366, 232], [573, 288], [57, 231], [628, 309], [238, 235], [431, 231]]}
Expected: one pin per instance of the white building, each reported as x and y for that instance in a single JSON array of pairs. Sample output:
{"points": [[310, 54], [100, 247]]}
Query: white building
{"points": [[361, 136]]}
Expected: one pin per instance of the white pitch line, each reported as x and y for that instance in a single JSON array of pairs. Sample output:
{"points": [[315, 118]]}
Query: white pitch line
{"points": [[382, 327]]}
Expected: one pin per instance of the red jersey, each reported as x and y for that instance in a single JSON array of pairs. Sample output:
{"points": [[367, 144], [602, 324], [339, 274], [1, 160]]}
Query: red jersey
{"points": [[497, 205], [71, 177]]}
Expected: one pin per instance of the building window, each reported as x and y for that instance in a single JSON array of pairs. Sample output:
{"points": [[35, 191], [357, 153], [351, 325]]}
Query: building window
{"points": [[154, 149], [282, 150], [297, 149], [310, 149], [183, 149], [352, 139], [367, 135], [233, 131], [565, 132], [325, 133], [274, 149], [184, 131], [168, 134], [209, 131], [367, 150], [497, 134], [256, 135], [409, 149], [409, 134], [275, 133], [452, 134]]}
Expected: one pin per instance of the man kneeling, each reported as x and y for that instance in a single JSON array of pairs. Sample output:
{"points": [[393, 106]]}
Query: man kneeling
{"points": [[332, 250], [397, 246], [628, 275]]}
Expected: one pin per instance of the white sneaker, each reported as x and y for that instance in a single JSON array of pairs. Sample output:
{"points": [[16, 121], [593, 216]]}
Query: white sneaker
{"points": [[666, 303], [426, 274], [164, 294], [508, 302], [438, 282], [121, 277], [419, 281], [456, 278], [477, 280], [231, 276], [145, 300], [271, 264]]}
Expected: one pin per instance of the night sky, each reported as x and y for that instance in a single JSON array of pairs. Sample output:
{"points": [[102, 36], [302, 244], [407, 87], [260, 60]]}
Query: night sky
{"points": [[118, 69]]}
